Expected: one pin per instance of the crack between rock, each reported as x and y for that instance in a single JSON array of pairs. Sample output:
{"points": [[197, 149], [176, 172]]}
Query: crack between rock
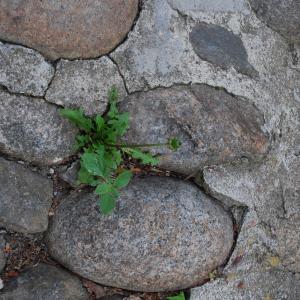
{"points": [[54, 65], [294, 53], [8, 91], [120, 73], [236, 232], [285, 213], [7, 42]]}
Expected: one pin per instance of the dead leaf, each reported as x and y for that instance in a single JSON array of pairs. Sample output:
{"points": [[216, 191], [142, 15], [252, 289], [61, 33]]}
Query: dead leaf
{"points": [[7, 249], [94, 288], [136, 170], [11, 274]]}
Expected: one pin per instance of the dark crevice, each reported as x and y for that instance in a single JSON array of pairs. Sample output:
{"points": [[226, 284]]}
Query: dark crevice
{"points": [[237, 226], [294, 54]]}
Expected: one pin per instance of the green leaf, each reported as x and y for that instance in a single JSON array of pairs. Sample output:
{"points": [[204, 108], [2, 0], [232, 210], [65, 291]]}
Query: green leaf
{"points": [[107, 203], [119, 124], [180, 296], [81, 141], [85, 177], [113, 94], [113, 98], [93, 163], [146, 158], [105, 188], [174, 144], [123, 179], [110, 161], [99, 123], [116, 156], [77, 117]]}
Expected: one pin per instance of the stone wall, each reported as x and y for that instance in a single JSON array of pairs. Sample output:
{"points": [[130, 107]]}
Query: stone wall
{"points": [[224, 77]]}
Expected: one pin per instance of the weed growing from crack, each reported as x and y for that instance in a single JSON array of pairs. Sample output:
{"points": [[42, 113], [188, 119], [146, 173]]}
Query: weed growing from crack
{"points": [[102, 154]]}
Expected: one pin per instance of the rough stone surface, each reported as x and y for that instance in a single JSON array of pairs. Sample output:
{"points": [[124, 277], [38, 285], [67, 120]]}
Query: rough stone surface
{"points": [[2, 254], [272, 190], [44, 282], [68, 29], [253, 272], [23, 70], [165, 235], [281, 16], [221, 47], [32, 130], [214, 127], [85, 84], [158, 51], [70, 174], [25, 198]]}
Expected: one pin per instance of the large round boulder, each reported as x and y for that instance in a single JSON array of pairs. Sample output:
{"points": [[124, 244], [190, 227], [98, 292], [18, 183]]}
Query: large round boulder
{"points": [[165, 234], [214, 126], [67, 29]]}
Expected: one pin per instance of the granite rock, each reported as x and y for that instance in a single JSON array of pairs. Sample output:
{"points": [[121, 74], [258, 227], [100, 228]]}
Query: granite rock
{"points": [[281, 16], [213, 126], [164, 235], [25, 198], [32, 129], [85, 84], [254, 270], [272, 190], [70, 174], [67, 29], [23, 70], [44, 282]]}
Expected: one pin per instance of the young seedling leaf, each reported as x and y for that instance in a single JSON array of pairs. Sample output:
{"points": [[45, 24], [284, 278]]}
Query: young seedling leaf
{"points": [[123, 179], [174, 144], [145, 158]]}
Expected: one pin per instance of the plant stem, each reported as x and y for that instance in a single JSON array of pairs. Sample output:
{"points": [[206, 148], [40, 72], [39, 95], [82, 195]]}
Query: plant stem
{"points": [[137, 146]]}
